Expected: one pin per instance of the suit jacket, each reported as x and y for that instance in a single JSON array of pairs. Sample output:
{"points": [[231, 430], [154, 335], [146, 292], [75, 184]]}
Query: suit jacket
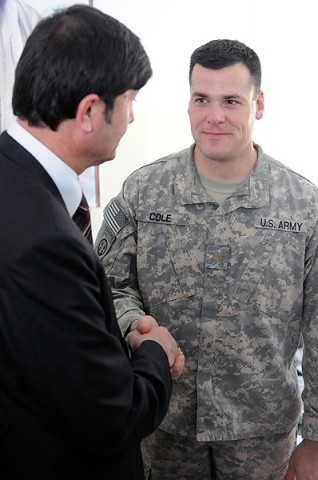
{"points": [[72, 404]]}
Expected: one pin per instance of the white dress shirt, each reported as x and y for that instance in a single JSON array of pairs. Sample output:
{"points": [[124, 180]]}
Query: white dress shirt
{"points": [[64, 177]]}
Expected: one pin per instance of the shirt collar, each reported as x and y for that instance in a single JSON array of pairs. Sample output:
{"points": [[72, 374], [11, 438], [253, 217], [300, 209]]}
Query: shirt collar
{"points": [[64, 177]]}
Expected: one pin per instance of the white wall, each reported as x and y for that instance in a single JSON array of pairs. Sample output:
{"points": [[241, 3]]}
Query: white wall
{"points": [[46, 7], [282, 32]]}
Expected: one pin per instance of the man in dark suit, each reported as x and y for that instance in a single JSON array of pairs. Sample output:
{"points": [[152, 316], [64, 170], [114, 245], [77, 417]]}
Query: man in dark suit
{"points": [[74, 402]]}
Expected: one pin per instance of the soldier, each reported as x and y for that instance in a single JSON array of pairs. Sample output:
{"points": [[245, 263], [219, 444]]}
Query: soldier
{"points": [[218, 242]]}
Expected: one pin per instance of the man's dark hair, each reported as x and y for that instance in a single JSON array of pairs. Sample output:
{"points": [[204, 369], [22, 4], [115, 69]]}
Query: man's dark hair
{"points": [[223, 53], [70, 54]]}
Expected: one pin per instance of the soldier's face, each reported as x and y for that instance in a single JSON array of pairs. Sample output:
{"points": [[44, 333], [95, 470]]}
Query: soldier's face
{"points": [[222, 111]]}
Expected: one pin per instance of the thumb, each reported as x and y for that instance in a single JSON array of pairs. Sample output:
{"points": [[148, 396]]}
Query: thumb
{"points": [[145, 324]]}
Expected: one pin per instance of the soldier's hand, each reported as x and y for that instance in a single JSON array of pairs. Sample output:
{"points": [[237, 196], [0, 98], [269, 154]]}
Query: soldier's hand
{"points": [[143, 324], [303, 463], [178, 366]]}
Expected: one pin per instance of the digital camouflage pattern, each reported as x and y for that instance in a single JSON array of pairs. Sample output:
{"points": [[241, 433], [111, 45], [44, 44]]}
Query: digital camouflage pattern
{"points": [[234, 284], [183, 458]]}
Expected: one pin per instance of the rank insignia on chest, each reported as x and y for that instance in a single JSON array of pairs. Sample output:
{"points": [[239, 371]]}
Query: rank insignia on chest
{"points": [[217, 257]]}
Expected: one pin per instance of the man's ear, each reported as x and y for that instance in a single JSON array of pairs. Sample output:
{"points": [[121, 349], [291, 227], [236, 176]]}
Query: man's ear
{"points": [[259, 105], [86, 110]]}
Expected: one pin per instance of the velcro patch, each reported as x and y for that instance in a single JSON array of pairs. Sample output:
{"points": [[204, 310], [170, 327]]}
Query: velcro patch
{"points": [[285, 225], [115, 218], [217, 257]]}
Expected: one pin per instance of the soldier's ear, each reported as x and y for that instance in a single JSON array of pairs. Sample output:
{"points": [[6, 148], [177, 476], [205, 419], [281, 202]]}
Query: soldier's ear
{"points": [[260, 105]]}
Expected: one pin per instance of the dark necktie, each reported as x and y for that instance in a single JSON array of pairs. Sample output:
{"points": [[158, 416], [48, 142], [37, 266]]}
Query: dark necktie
{"points": [[82, 218]]}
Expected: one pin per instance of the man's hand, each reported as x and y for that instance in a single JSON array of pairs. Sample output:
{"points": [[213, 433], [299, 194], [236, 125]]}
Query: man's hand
{"points": [[147, 328], [303, 463]]}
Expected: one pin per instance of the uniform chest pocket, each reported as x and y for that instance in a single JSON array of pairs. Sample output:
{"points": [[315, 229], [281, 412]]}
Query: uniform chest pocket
{"points": [[167, 268], [271, 273]]}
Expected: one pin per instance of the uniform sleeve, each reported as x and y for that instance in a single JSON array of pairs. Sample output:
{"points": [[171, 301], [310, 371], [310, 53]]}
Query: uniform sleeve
{"points": [[310, 334], [116, 246], [61, 332]]}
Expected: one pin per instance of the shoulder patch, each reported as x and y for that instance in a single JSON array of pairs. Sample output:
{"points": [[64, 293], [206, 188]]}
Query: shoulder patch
{"points": [[115, 218], [102, 247]]}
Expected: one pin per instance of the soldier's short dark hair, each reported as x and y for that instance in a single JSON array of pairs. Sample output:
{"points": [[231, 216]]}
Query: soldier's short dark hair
{"points": [[218, 54]]}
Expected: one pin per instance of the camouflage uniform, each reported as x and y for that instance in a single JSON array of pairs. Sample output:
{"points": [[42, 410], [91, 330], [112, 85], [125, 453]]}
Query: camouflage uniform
{"points": [[235, 284]]}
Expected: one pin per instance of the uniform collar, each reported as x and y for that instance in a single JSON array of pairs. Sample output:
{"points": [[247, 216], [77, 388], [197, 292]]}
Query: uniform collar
{"points": [[254, 193]]}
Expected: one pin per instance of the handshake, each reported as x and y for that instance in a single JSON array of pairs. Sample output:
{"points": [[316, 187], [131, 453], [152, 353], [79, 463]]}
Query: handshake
{"points": [[147, 328]]}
